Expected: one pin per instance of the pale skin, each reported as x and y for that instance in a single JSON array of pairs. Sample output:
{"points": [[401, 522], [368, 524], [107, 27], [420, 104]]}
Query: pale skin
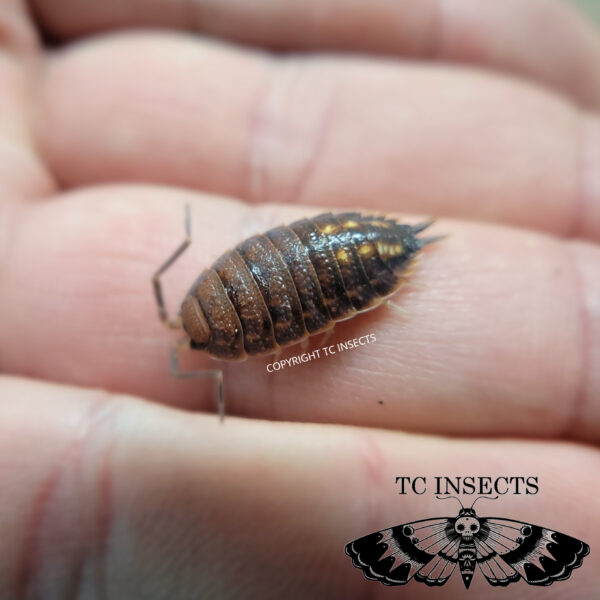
{"points": [[115, 483]]}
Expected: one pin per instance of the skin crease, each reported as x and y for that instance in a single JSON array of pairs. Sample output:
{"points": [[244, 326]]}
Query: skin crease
{"points": [[113, 486]]}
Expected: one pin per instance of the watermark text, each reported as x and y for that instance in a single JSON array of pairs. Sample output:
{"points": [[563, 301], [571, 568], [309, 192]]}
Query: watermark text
{"points": [[323, 352]]}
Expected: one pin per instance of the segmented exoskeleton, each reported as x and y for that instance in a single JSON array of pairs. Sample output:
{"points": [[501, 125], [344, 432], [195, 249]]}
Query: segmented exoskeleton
{"points": [[276, 289]]}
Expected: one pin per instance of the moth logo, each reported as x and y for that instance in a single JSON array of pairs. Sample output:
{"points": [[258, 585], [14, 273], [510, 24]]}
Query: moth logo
{"points": [[504, 550]]}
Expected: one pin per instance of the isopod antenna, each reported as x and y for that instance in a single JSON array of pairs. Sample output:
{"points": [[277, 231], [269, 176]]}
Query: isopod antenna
{"points": [[175, 323]]}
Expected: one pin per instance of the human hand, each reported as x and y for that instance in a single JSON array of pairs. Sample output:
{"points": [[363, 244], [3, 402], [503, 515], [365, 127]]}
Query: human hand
{"points": [[132, 492]]}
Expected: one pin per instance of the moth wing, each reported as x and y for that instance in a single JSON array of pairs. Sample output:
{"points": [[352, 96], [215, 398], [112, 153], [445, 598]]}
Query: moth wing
{"points": [[493, 568], [395, 555], [508, 550]]}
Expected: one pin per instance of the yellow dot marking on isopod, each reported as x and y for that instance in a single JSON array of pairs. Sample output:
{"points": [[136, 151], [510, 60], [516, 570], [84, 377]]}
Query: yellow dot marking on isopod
{"points": [[351, 224], [384, 224], [389, 250], [330, 228], [342, 256], [366, 250]]}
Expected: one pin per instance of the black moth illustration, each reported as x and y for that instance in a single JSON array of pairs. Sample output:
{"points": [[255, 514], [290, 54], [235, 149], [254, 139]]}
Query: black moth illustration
{"points": [[504, 550]]}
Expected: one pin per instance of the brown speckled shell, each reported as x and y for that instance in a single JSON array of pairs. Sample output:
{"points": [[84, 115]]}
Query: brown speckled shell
{"points": [[277, 288]]}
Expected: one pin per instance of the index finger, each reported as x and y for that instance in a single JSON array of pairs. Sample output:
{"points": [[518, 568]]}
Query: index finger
{"points": [[499, 333]]}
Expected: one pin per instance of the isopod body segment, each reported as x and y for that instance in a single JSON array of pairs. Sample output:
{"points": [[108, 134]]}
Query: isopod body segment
{"points": [[277, 288]]}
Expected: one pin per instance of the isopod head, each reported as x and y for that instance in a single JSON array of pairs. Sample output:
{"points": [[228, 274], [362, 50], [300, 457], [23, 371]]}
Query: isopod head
{"points": [[195, 324]]}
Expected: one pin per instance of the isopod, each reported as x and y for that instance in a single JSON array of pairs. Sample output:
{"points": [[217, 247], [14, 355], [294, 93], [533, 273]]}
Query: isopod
{"points": [[280, 287]]}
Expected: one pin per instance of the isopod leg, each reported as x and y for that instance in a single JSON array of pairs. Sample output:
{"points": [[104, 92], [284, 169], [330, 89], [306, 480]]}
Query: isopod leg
{"points": [[327, 335], [216, 374], [158, 295], [399, 308], [304, 345]]}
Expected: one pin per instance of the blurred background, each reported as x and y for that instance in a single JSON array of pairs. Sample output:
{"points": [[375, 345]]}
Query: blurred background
{"points": [[592, 7]]}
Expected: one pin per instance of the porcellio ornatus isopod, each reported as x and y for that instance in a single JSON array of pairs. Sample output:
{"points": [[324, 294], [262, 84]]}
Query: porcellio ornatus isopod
{"points": [[277, 288]]}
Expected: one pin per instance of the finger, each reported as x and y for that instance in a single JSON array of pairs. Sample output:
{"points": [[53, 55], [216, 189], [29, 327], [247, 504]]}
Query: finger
{"points": [[133, 500], [499, 333], [564, 52], [17, 33], [22, 173], [321, 131]]}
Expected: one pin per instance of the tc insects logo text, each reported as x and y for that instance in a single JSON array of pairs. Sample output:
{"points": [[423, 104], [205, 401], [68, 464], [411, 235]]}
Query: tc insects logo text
{"points": [[503, 550]]}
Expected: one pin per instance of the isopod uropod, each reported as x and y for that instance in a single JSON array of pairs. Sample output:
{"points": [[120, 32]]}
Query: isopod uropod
{"points": [[277, 288]]}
